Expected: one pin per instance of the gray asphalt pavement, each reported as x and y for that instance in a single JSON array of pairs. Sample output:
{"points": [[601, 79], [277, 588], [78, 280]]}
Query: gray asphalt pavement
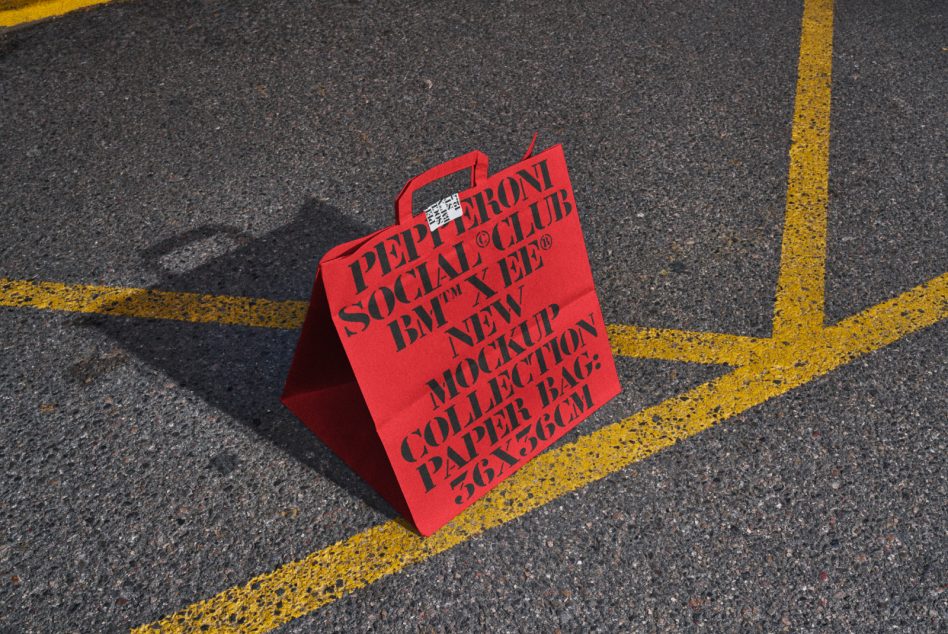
{"points": [[223, 146]]}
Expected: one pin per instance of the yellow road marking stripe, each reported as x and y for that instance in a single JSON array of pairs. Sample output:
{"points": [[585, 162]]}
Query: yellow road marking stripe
{"points": [[298, 588], [152, 304], [800, 286], [681, 345], [883, 324], [652, 343], [13, 13]]}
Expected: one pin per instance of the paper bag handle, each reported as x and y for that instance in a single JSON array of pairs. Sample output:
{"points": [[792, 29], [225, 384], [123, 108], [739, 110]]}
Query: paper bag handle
{"points": [[475, 161]]}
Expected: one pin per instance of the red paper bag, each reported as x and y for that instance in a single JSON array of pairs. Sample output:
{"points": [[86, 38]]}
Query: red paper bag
{"points": [[442, 353]]}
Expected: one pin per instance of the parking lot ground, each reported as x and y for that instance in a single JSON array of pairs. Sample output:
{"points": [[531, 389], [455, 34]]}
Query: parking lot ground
{"points": [[761, 192]]}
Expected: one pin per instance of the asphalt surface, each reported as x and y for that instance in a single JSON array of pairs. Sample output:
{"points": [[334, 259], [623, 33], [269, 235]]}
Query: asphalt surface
{"points": [[222, 147]]}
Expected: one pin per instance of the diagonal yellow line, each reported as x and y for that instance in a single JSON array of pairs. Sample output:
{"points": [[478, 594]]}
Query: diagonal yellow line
{"points": [[650, 343], [298, 588], [13, 13], [800, 285]]}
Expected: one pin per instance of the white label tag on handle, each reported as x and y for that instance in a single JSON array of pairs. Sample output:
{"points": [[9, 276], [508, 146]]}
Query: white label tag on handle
{"points": [[443, 211]]}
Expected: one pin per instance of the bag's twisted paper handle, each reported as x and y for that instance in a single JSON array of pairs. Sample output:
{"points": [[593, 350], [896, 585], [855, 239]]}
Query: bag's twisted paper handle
{"points": [[475, 161]]}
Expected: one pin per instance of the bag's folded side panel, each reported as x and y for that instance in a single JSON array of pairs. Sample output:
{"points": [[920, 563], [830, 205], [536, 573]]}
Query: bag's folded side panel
{"points": [[321, 391], [339, 417], [320, 361]]}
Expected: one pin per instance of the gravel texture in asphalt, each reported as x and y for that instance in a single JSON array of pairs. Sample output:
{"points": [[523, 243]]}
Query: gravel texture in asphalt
{"points": [[223, 146]]}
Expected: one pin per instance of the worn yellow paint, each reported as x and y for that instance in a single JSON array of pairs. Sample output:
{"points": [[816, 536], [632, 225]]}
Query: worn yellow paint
{"points": [[152, 304], [682, 345], [800, 285], [650, 343], [18, 12], [298, 588]]}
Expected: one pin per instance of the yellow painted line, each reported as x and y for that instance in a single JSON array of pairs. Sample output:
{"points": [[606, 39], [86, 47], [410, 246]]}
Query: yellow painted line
{"points": [[800, 285], [681, 345], [650, 343], [152, 304], [14, 13], [295, 589]]}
